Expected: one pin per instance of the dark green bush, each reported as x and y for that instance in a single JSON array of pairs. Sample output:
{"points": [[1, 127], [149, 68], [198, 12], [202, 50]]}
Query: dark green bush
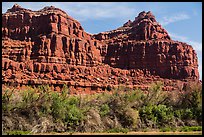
{"points": [[73, 100], [104, 109], [58, 107], [74, 116], [187, 114], [160, 114], [67, 109], [146, 113]]}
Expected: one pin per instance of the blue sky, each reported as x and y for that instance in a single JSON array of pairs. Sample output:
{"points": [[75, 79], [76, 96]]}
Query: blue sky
{"points": [[182, 20]]}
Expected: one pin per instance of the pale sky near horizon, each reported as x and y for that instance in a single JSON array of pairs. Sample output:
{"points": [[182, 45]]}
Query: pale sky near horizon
{"points": [[182, 20]]}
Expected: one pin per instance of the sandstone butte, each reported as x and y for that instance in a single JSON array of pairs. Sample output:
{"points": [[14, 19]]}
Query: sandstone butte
{"points": [[50, 47]]}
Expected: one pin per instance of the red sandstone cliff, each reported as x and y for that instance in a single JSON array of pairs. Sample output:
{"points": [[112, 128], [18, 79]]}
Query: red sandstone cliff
{"points": [[50, 47], [56, 37], [144, 44]]}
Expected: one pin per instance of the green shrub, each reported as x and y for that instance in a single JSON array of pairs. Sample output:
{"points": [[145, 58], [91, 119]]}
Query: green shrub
{"points": [[44, 88], [65, 91], [160, 114], [104, 110], [45, 103], [128, 117], [184, 114], [66, 109], [146, 113], [131, 117], [29, 98], [198, 113], [58, 107], [74, 116], [134, 98], [197, 102], [187, 114], [178, 113], [6, 100], [192, 96], [164, 114], [154, 96], [73, 100]]}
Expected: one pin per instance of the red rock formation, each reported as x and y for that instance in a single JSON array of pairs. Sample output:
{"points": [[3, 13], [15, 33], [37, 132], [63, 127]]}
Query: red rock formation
{"points": [[143, 28], [57, 37], [50, 47], [144, 44]]}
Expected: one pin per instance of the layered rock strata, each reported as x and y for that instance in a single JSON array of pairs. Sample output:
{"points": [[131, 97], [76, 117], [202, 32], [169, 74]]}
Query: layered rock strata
{"points": [[56, 37], [50, 47], [144, 44]]}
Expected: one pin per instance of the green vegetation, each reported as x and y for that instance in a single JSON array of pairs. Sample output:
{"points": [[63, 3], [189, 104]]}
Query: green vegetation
{"points": [[182, 129], [161, 115], [120, 111], [117, 130], [18, 132], [104, 110], [166, 129], [189, 129]]}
